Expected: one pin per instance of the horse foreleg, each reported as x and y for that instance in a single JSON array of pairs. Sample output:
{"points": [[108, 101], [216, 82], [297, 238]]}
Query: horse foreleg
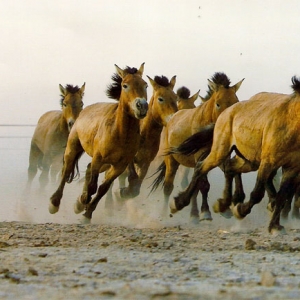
{"points": [[110, 176], [70, 159]]}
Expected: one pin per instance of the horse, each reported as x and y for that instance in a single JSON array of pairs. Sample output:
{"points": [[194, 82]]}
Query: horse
{"points": [[110, 134], [51, 133], [183, 124], [162, 105], [263, 131]]}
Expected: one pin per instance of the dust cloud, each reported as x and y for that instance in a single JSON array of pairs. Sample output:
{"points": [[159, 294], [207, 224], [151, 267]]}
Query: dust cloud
{"points": [[140, 212]]}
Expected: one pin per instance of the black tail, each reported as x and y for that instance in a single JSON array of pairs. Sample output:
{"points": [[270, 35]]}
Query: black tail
{"points": [[75, 172], [197, 141], [160, 178]]}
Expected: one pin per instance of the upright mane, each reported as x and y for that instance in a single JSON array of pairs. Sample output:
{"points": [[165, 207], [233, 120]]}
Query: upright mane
{"points": [[113, 90], [183, 93], [296, 84], [162, 80], [218, 78], [70, 89]]}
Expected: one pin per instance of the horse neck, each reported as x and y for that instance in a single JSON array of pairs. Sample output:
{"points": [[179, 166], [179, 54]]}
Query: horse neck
{"points": [[205, 112], [149, 125], [126, 124], [63, 124]]}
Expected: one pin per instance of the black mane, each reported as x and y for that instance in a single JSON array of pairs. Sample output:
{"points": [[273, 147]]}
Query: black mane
{"points": [[162, 80], [70, 89], [218, 78], [183, 93], [296, 84], [113, 90]]}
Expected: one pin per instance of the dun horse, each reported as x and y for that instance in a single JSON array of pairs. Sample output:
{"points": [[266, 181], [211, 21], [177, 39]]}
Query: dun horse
{"points": [[110, 134], [264, 133], [50, 136], [162, 106], [183, 124]]}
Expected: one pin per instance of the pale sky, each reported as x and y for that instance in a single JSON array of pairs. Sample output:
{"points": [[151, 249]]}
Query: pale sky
{"points": [[46, 43]]}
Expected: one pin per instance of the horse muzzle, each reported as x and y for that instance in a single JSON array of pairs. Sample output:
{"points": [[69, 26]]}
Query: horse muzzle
{"points": [[70, 124], [140, 108]]}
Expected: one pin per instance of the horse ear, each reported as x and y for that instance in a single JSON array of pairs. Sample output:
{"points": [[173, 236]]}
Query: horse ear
{"points": [[82, 89], [120, 71], [195, 97], [237, 85], [172, 82], [62, 90], [212, 85], [153, 83], [203, 100], [141, 69]]}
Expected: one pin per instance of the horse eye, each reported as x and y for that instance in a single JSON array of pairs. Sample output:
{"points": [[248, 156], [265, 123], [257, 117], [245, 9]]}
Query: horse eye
{"points": [[160, 99], [125, 86], [64, 105], [218, 105]]}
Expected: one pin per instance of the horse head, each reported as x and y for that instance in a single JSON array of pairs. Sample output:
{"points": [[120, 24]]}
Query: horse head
{"points": [[71, 103], [133, 91], [221, 94], [184, 99], [164, 100]]}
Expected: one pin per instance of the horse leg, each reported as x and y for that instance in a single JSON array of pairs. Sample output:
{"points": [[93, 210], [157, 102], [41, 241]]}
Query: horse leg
{"points": [[44, 177], [134, 183], [56, 167], [204, 187], [271, 191], [171, 169], [35, 156], [110, 176], [184, 171], [71, 156], [287, 189], [296, 206]]}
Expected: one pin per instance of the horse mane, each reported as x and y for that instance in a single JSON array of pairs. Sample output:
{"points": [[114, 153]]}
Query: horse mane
{"points": [[183, 93], [113, 90], [162, 80], [70, 89], [296, 84], [218, 78]]}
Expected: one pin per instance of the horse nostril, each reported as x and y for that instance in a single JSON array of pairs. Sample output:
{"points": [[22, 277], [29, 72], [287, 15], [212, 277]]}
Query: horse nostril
{"points": [[70, 124]]}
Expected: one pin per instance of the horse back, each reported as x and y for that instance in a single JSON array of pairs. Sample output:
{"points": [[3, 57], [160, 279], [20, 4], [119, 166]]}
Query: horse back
{"points": [[49, 131]]}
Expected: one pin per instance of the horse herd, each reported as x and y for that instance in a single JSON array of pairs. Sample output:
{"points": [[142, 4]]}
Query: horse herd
{"points": [[124, 137]]}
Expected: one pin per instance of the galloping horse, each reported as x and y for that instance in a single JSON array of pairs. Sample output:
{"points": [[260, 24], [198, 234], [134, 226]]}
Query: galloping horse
{"points": [[110, 134], [264, 134], [51, 134], [162, 106], [186, 122]]}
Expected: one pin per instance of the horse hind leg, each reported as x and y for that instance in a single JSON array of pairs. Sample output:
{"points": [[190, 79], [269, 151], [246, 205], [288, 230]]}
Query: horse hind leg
{"points": [[35, 156], [204, 188]]}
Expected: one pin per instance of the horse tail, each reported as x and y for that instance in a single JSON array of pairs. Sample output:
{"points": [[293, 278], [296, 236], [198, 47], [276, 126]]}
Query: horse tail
{"points": [[160, 178], [75, 171], [202, 139]]}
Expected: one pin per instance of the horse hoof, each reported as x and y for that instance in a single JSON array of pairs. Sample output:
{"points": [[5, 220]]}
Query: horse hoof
{"points": [[205, 216], [216, 207], [278, 231], [53, 209], [227, 214], [235, 211], [194, 220], [78, 207], [85, 220], [173, 207]]}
